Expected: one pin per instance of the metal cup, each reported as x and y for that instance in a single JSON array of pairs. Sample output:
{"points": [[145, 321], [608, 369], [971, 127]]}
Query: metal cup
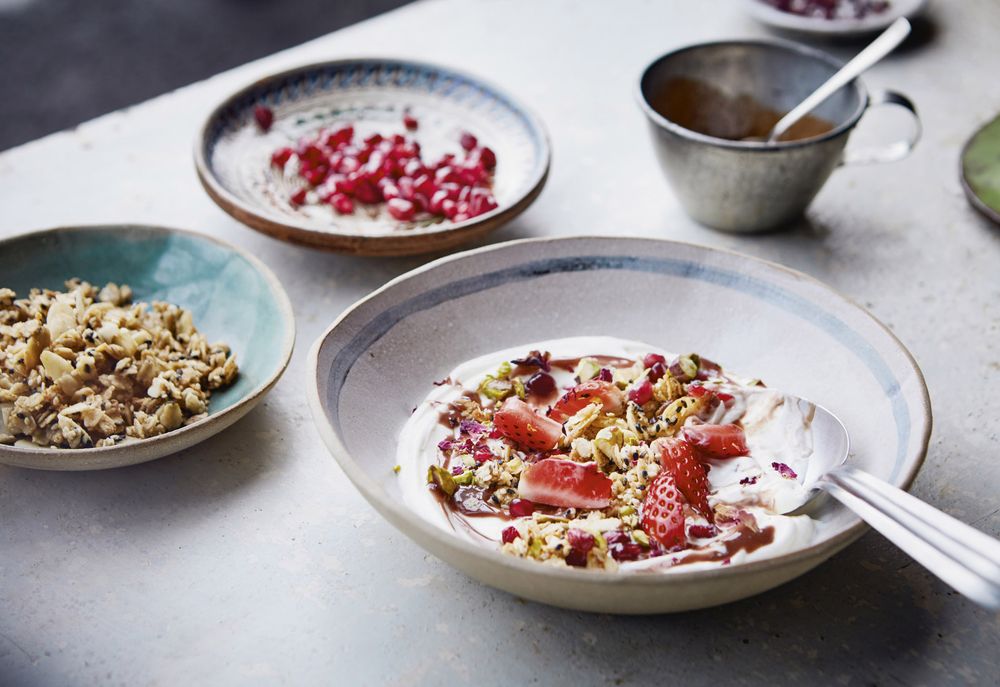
{"points": [[746, 186]]}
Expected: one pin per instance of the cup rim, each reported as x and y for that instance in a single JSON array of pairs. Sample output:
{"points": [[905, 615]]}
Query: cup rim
{"points": [[756, 146]]}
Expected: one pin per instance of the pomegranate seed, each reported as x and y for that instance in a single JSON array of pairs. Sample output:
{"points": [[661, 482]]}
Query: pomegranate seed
{"points": [[342, 204], [482, 454], [367, 192], [576, 558], [409, 121], [425, 185], [281, 157], [389, 190], [401, 209], [521, 508], [580, 540], [702, 531], [488, 158], [656, 371], [509, 534], [435, 205], [449, 208], [299, 197], [625, 552], [340, 137], [617, 537], [406, 189], [540, 384], [345, 186], [373, 140], [468, 141], [641, 393], [605, 375], [264, 116], [652, 358], [495, 434]]}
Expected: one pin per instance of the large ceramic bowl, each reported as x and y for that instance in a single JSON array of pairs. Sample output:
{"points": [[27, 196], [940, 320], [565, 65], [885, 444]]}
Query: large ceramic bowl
{"points": [[234, 298], [232, 154], [379, 359]]}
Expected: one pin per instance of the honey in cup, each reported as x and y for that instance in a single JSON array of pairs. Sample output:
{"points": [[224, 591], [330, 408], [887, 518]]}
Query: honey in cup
{"points": [[701, 107]]}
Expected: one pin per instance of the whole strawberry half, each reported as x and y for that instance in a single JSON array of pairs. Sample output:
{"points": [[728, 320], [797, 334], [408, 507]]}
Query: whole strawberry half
{"points": [[681, 460], [663, 511]]}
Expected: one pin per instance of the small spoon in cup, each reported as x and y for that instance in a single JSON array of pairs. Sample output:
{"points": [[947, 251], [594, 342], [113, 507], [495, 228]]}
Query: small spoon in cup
{"points": [[887, 41], [962, 556]]}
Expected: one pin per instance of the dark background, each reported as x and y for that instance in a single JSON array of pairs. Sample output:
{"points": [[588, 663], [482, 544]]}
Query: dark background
{"points": [[66, 61]]}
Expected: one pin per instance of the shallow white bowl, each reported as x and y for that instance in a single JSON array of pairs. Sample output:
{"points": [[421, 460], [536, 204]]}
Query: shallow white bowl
{"points": [[379, 358]]}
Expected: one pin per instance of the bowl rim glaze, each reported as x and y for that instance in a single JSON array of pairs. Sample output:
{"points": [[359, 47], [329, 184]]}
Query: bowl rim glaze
{"points": [[792, 47], [402, 517], [160, 444], [447, 234]]}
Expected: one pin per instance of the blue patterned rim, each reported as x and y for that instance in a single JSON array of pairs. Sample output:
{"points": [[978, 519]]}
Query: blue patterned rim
{"points": [[768, 292]]}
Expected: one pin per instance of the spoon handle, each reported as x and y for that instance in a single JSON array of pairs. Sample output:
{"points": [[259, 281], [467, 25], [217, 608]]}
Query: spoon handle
{"points": [[876, 50], [962, 556]]}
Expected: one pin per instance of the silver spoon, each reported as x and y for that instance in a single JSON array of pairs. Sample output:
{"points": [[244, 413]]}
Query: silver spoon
{"points": [[962, 556], [887, 41]]}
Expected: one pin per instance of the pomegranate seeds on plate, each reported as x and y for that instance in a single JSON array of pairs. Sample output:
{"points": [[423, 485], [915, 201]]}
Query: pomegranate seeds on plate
{"points": [[389, 169]]}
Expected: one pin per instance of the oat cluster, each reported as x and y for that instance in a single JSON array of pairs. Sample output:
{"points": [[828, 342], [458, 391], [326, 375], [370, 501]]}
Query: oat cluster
{"points": [[86, 367]]}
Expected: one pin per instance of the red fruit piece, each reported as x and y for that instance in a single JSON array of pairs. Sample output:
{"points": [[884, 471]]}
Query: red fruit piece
{"points": [[299, 197], [565, 483], [401, 209], [526, 428], [678, 458], [651, 359], [409, 121], [488, 159], [281, 157], [663, 511], [718, 441], [342, 204], [583, 395], [641, 392], [580, 539], [264, 116], [520, 508], [509, 534], [576, 558], [468, 141]]}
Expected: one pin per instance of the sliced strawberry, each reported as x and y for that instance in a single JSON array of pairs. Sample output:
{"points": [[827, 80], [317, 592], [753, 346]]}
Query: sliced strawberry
{"points": [[663, 511], [565, 483], [526, 428], [718, 441], [678, 458], [583, 395]]}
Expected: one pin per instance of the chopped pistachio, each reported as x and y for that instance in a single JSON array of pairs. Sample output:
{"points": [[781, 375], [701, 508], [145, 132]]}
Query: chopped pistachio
{"points": [[641, 538], [503, 372], [519, 388], [396, 469], [626, 510], [587, 369], [442, 478], [495, 389], [465, 479]]}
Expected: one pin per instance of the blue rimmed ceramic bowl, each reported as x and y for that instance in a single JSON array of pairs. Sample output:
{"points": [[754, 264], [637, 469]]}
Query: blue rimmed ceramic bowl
{"points": [[755, 317], [232, 153], [234, 298]]}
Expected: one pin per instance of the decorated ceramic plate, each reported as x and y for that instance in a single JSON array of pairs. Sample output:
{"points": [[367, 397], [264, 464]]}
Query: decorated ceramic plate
{"points": [[415, 418], [851, 18], [122, 379], [373, 156]]}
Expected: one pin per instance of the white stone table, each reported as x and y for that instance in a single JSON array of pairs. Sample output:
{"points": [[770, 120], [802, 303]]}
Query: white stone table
{"points": [[252, 560]]}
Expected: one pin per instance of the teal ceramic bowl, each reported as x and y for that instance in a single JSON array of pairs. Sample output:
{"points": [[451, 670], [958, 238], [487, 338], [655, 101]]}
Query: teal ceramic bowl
{"points": [[234, 298]]}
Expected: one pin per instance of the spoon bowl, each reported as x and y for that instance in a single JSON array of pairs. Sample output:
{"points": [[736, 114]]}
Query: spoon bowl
{"points": [[962, 556]]}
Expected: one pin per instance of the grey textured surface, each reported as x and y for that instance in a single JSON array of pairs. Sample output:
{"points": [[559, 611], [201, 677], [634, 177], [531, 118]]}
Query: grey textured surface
{"points": [[251, 560]]}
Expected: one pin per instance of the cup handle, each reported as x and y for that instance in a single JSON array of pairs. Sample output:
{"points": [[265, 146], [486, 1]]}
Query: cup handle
{"points": [[892, 151]]}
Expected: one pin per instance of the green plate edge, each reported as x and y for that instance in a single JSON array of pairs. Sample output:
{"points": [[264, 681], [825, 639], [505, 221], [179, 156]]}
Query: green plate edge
{"points": [[981, 170]]}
